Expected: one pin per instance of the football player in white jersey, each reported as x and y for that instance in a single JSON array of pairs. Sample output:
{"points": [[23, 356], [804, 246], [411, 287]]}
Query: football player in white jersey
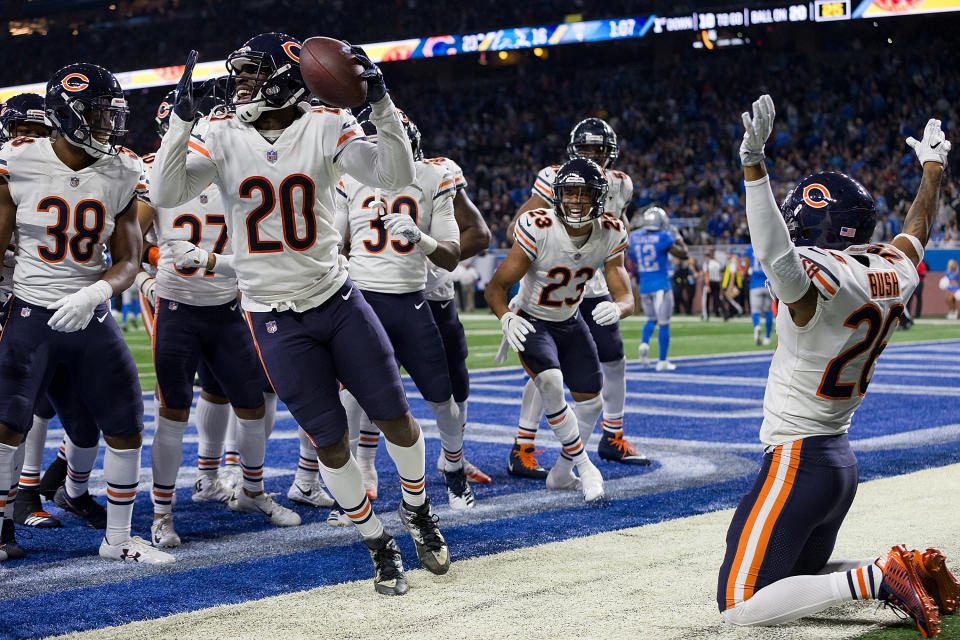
{"points": [[66, 201], [386, 235], [276, 163], [596, 140], [555, 253], [840, 300]]}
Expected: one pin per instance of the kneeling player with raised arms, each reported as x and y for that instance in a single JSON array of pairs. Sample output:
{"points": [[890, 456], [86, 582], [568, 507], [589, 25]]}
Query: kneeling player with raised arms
{"points": [[555, 253], [840, 299]]}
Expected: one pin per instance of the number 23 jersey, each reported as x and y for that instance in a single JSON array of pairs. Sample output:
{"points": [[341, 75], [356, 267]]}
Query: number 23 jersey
{"points": [[64, 217], [820, 371], [554, 285]]}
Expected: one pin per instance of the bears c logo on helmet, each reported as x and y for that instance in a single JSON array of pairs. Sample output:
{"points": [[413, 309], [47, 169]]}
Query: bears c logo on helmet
{"points": [[163, 110], [292, 49], [75, 82], [816, 195]]}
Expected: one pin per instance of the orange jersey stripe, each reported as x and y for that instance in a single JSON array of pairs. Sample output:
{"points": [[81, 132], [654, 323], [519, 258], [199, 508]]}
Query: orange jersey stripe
{"points": [[193, 145], [826, 285], [346, 136], [519, 236]]}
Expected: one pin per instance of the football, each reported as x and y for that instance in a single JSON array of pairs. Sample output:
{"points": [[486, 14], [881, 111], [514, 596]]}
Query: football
{"points": [[331, 74]]}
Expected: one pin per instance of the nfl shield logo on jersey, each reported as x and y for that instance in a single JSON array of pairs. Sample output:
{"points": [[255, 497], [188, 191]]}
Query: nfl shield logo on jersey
{"points": [[74, 182], [272, 156], [25, 312], [271, 326]]}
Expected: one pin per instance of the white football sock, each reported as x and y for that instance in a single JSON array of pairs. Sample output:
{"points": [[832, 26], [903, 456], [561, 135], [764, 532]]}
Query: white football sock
{"points": [[531, 408], [8, 454], [269, 413], [346, 486], [307, 466], [121, 469], [33, 453], [462, 410], [451, 432], [211, 421], [614, 394], [410, 466], [79, 465], [165, 457], [364, 435], [252, 444], [587, 413], [231, 450]]}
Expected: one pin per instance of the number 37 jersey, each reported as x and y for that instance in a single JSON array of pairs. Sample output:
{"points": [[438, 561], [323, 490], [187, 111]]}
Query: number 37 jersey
{"points": [[553, 286], [821, 371], [64, 218]]}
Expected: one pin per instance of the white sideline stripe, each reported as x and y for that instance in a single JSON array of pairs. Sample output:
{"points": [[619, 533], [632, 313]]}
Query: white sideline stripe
{"points": [[649, 410], [640, 395], [875, 387], [753, 534]]}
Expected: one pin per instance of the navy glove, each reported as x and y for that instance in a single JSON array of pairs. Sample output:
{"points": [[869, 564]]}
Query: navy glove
{"points": [[376, 88], [183, 103]]}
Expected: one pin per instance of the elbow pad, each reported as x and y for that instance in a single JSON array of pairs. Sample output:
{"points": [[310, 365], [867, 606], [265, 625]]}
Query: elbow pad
{"points": [[787, 278]]}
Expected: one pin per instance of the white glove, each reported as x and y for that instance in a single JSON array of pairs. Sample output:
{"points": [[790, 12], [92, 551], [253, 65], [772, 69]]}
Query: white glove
{"points": [[187, 254], [147, 285], [75, 311], [934, 147], [400, 224], [515, 330], [606, 313], [756, 131]]}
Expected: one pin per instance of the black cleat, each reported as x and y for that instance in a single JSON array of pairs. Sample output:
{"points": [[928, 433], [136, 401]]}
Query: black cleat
{"points": [[388, 577], [83, 506], [616, 448], [431, 547], [28, 511], [8, 542], [523, 462], [53, 478]]}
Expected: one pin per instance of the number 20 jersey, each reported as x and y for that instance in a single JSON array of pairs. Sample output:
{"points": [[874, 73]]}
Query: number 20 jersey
{"points": [[278, 200], [554, 285], [64, 218], [820, 371]]}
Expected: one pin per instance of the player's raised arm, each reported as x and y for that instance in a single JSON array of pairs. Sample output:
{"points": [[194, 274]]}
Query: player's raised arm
{"points": [[768, 231], [932, 153], [178, 177]]}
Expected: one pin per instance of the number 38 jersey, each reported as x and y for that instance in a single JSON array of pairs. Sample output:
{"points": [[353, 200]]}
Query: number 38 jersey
{"points": [[619, 194], [553, 286], [278, 200], [64, 218], [820, 371], [383, 263]]}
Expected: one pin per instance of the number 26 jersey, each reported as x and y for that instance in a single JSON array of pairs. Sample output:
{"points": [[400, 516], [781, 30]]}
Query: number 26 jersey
{"points": [[821, 371]]}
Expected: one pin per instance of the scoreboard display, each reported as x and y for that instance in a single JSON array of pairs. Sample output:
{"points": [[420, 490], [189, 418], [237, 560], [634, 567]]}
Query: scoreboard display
{"points": [[827, 10]]}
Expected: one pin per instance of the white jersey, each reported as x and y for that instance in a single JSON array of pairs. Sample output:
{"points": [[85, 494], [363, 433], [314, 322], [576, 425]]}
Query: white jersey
{"points": [[64, 218], [820, 371], [378, 261], [619, 194], [553, 286], [439, 285], [202, 222], [6, 277], [279, 203]]}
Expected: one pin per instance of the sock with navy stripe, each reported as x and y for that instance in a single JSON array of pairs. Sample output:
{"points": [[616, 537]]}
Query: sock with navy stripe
{"points": [[79, 465], [33, 453], [212, 421], [451, 432], [346, 486], [531, 409], [614, 394], [410, 465], [231, 451], [7, 455], [121, 469], [566, 427], [165, 456], [587, 412], [252, 443], [307, 466]]}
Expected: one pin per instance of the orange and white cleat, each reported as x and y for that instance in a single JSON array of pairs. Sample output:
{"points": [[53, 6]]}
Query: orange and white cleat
{"points": [[939, 583], [902, 589], [474, 474]]}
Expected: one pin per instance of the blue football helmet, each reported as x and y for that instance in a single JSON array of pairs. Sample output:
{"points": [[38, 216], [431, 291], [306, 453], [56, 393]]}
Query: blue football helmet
{"points": [[413, 133], [580, 173], [265, 75], [594, 139], [24, 109], [829, 210], [85, 103]]}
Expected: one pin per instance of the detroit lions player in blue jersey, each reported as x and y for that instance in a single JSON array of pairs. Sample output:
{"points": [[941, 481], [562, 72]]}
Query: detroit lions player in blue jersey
{"points": [[649, 247], [760, 298]]}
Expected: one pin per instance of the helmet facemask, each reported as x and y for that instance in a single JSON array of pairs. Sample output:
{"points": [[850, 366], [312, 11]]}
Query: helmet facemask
{"points": [[259, 85], [579, 204], [101, 123]]}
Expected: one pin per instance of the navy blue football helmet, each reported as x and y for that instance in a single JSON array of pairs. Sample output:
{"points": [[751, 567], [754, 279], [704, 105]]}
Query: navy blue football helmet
{"points": [[594, 139], [413, 133], [580, 173], [24, 109], [86, 105], [265, 75], [829, 210]]}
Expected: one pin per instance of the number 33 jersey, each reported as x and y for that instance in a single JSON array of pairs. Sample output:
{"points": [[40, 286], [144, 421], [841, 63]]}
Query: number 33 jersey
{"points": [[553, 286], [821, 371], [64, 217]]}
